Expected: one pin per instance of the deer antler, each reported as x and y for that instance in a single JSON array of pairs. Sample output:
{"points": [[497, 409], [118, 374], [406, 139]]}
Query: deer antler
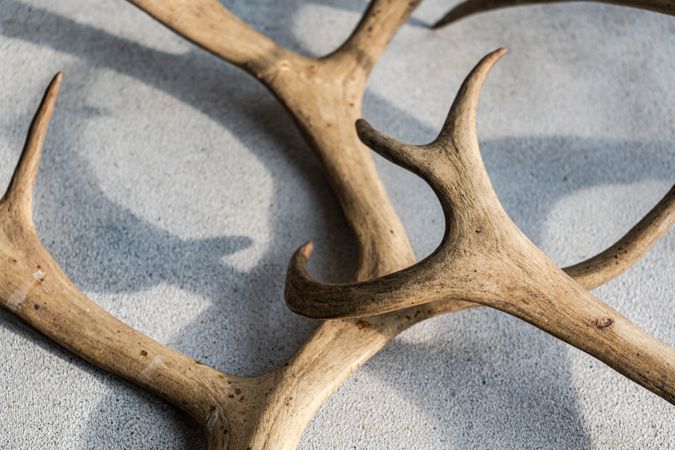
{"points": [[485, 258], [33, 286], [470, 7], [324, 97]]}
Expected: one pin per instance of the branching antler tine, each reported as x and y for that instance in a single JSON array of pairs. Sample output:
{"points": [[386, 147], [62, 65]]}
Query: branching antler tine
{"points": [[632, 246], [591, 273], [470, 7], [458, 131], [328, 301], [213, 27], [374, 31], [312, 298], [19, 195], [484, 258]]}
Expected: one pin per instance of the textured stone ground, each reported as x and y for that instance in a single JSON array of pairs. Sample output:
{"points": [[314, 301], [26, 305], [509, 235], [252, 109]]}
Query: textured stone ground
{"points": [[174, 189]]}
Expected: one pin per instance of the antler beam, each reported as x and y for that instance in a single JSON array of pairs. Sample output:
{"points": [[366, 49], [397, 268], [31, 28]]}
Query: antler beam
{"points": [[485, 258]]}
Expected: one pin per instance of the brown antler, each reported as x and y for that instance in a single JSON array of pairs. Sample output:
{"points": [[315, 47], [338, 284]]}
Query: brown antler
{"points": [[33, 286], [324, 96], [470, 7], [485, 258]]}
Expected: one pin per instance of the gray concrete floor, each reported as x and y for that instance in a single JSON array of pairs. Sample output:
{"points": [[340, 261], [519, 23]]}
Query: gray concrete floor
{"points": [[174, 189]]}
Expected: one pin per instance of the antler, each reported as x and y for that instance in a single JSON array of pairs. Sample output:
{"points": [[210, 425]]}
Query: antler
{"points": [[485, 258], [470, 7], [324, 97], [33, 286]]}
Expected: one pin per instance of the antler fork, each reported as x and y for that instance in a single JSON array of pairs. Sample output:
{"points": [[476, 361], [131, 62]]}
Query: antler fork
{"points": [[485, 258]]}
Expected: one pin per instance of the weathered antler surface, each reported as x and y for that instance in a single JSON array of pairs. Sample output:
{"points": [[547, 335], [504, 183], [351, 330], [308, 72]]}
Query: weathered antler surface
{"points": [[324, 96], [485, 258]]}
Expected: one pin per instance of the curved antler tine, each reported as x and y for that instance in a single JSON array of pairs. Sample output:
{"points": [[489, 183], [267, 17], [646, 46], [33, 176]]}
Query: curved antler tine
{"points": [[459, 129], [309, 297], [470, 7], [457, 139], [458, 132], [626, 251], [19, 195]]}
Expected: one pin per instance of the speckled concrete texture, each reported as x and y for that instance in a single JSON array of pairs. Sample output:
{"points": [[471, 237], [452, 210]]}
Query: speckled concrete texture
{"points": [[174, 189]]}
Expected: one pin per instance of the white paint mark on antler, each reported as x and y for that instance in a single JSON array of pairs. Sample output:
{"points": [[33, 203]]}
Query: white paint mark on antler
{"points": [[212, 420], [17, 298], [147, 373]]}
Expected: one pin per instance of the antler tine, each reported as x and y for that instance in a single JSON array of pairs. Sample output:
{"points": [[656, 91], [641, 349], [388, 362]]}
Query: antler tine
{"points": [[459, 129], [374, 31], [405, 155], [470, 7], [485, 258], [626, 251], [19, 195]]}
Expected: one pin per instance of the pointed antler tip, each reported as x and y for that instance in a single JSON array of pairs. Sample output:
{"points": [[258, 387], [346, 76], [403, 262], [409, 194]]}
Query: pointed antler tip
{"points": [[369, 135], [301, 256], [307, 249], [55, 84], [492, 57], [297, 275], [20, 190], [461, 119], [363, 127]]}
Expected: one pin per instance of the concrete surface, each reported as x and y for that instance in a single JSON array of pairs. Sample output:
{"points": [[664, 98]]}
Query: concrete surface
{"points": [[174, 189]]}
